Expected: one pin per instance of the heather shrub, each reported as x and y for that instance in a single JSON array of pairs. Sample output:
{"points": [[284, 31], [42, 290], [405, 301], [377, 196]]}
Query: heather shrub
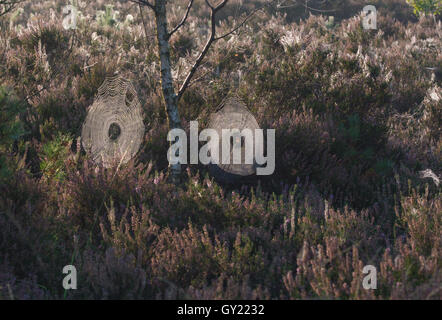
{"points": [[111, 275], [420, 217], [357, 119], [11, 288]]}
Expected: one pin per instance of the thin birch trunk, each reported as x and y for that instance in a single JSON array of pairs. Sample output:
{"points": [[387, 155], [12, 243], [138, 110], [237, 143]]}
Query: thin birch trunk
{"points": [[170, 97]]}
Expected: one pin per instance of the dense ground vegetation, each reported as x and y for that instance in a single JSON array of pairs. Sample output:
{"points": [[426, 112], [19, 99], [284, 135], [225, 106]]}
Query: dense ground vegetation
{"points": [[357, 118]]}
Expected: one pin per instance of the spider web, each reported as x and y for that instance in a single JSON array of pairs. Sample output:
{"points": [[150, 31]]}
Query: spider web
{"points": [[117, 104], [233, 114]]}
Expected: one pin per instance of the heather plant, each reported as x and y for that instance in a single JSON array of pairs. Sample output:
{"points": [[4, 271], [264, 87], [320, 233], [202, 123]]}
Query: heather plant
{"points": [[357, 119]]}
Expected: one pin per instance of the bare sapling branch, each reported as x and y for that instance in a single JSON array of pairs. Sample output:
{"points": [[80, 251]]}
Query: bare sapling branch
{"points": [[144, 3], [7, 6], [183, 21], [212, 38]]}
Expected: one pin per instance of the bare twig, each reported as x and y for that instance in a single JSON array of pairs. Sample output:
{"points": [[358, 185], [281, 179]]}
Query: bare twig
{"points": [[212, 38], [183, 21], [142, 19], [240, 24], [145, 3], [207, 46], [7, 6], [282, 5]]}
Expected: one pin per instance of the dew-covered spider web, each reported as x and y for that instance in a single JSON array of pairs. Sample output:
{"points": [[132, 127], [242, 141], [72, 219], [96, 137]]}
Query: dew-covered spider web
{"points": [[113, 130], [232, 114]]}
